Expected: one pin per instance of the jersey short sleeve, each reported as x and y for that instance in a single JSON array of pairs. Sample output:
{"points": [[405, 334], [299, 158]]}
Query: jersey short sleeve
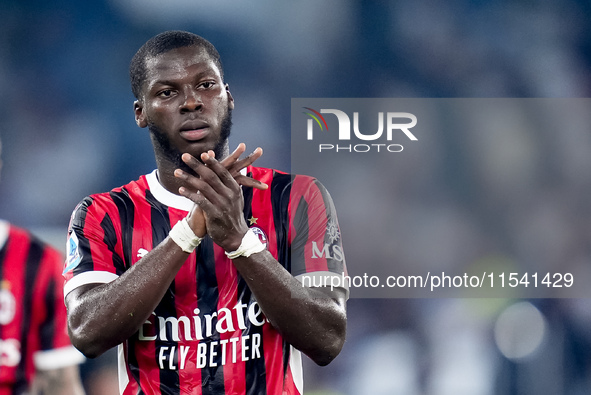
{"points": [[317, 256], [93, 246]]}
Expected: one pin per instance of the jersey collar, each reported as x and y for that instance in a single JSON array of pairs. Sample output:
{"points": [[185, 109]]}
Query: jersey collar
{"points": [[166, 197]]}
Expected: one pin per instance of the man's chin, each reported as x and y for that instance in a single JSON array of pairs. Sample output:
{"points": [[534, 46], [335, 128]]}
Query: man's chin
{"points": [[198, 147], [220, 149], [172, 154]]}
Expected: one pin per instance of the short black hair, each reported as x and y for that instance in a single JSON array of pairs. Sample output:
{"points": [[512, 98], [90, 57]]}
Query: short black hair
{"points": [[162, 43]]}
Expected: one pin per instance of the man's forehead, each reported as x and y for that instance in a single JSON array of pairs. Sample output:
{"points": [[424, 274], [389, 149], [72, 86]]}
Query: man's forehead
{"points": [[179, 61]]}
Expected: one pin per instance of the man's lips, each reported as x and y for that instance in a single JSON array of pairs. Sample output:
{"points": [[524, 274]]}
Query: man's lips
{"points": [[194, 134], [194, 130]]}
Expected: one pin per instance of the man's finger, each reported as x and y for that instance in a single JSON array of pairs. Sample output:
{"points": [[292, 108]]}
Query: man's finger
{"points": [[238, 165], [245, 162], [250, 182], [233, 157], [232, 164], [204, 204], [191, 161], [217, 176]]}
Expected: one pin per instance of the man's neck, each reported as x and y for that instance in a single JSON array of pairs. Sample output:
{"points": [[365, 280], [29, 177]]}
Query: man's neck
{"points": [[166, 170], [166, 176]]}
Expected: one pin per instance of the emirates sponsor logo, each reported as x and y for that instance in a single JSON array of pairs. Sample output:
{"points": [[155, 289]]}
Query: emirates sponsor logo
{"points": [[203, 329]]}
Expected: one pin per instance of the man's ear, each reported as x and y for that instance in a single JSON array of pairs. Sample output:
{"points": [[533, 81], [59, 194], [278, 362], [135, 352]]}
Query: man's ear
{"points": [[140, 118], [230, 98]]}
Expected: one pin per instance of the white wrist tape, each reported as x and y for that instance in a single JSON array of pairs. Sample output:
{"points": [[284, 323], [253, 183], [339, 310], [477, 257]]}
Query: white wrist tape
{"points": [[183, 236], [250, 245]]}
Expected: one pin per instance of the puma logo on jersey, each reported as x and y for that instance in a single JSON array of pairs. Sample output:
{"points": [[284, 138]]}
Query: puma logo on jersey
{"points": [[142, 253]]}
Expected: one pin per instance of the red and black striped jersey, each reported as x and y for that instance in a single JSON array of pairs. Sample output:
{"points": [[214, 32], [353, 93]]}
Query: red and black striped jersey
{"points": [[33, 333], [208, 335]]}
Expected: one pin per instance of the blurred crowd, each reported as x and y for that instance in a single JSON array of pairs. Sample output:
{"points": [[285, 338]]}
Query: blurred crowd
{"points": [[513, 197]]}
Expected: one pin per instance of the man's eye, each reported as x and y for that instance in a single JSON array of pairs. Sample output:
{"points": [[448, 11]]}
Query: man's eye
{"points": [[207, 84], [165, 93]]}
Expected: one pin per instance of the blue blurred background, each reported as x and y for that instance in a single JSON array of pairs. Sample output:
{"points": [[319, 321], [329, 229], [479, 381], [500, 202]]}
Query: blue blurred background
{"points": [[67, 129]]}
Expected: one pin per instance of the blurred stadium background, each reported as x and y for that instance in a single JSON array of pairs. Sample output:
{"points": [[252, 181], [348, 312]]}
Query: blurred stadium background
{"points": [[67, 129]]}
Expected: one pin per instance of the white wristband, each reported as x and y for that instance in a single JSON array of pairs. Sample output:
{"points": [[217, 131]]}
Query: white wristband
{"points": [[184, 237], [250, 245]]}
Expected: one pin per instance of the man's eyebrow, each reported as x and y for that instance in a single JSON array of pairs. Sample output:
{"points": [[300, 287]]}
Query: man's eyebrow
{"points": [[199, 76], [164, 82]]}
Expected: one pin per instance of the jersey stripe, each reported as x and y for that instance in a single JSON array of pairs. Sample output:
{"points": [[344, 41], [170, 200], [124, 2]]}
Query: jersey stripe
{"points": [[186, 303], [125, 212], [212, 381], [111, 242], [227, 278], [47, 328], [123, 201], [328, 210], [299, 237], [98, 237], [246, 371], [253, 382], [17, 253], [78, 224], [269, 204], [280, 192], [39, 279], [169, 377], [273, 361], [32, 263]]}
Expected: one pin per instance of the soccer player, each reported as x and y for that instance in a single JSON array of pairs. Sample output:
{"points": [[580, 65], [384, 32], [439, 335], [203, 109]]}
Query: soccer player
{"points": [[36, 355], [193, 269]]}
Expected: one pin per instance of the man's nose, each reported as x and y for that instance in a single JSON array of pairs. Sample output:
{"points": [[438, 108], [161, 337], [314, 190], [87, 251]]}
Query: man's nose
{"points": [[192, 100]]}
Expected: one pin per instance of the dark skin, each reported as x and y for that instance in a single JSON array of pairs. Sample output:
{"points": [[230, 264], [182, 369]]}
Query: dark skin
{"points": [[184, 96]]}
